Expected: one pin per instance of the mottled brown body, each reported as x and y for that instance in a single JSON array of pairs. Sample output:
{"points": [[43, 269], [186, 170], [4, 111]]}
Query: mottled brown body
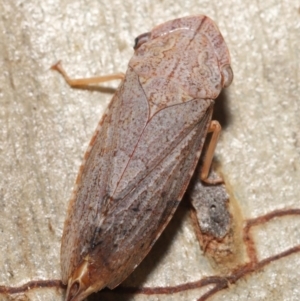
{"points": [[143, 153]]}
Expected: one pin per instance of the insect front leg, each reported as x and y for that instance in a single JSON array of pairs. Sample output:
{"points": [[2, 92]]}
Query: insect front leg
{"points": [[80, 82], [215, 129]]}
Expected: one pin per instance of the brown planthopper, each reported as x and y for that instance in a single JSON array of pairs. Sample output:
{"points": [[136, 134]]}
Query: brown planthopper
{"points": [[144, 152]]}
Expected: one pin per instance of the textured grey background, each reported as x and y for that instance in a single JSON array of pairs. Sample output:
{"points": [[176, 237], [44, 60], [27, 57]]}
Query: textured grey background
{"points": [[45, 127]]}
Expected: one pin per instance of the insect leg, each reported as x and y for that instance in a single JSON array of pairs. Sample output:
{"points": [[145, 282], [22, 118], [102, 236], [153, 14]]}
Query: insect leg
{"points": [[215, 128], [85, 81]]}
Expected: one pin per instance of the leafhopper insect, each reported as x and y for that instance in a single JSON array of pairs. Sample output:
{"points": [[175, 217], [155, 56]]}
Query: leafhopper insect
{"points": [[144, 152]]}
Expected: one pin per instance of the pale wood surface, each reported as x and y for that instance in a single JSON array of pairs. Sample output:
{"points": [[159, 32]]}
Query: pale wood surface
{"points": [[45, 127]]}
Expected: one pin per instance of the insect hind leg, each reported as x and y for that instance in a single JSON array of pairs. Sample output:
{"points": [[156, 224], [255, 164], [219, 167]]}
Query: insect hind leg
{"points": [[215, 129]]}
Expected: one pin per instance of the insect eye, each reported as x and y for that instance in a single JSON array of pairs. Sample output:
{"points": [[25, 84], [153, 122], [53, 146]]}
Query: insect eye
{"points": [[227, 76], [141, 39]]}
